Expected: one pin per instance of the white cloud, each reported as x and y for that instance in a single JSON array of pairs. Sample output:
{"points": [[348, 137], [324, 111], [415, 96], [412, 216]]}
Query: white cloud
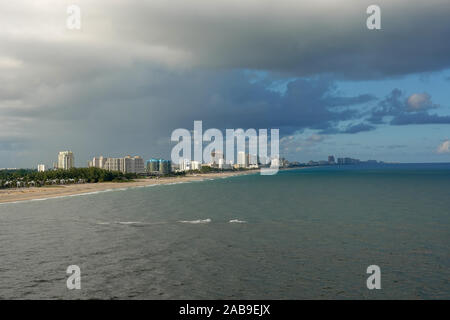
{"points": [[444, 147], [419, 101]]}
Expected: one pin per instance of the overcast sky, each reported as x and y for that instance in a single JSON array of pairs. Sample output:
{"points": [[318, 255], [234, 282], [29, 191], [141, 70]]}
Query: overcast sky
{"points": [[137, 70]]}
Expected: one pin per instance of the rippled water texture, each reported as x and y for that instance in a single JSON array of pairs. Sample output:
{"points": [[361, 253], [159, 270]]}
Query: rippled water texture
{"points": [[307, 233]]}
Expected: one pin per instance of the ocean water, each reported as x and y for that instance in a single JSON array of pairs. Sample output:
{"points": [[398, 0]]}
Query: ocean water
{"points": [[302, 234]]}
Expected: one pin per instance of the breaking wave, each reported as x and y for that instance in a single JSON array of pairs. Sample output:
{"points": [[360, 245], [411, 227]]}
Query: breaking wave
{"points": [[196, 221], [237, 221]]}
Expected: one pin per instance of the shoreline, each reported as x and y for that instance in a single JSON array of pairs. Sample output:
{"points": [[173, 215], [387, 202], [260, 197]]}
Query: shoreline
{"points": [[49, 192]]}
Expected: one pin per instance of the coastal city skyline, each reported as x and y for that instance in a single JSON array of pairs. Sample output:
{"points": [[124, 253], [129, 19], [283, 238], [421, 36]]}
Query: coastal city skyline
{"points": [[53, 164], [137, 164]]}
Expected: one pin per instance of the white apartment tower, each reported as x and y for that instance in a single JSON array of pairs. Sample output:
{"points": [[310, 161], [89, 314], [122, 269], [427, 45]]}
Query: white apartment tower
{"points": [[127, 164], [195, 165], [242, 159], [275, 163], [185, 165], [133, 164], [65, 160], [97, 162], [216, 156]]}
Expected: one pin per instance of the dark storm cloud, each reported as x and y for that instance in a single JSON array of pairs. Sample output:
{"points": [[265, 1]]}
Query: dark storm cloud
{"points": [[360, 127], [138, 70], [135, 110], [12, 144], [391, 105], [396, 109], [345, 101], [353, 128], [229, 100], [301, 38], [420, 118]]}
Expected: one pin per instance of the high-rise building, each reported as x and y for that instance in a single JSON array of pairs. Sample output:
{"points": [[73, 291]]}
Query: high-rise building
{"points": [[165, 166], [275, 163], [127, 164], [242, 159], [41, 167], [113, 164], [97, 162], [133, 164], [216, 156], [65, 160], [331, 160], [185, 165], [221, 164], [196, 165], [158, 166], [152, 165], [252, 159]]}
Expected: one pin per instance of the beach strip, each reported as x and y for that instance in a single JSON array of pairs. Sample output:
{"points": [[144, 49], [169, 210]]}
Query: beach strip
{"points": [[33, 193]]}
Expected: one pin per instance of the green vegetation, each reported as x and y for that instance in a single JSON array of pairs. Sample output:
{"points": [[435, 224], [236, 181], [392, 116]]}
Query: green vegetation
{"points": [[206, 169], [29, 178]]}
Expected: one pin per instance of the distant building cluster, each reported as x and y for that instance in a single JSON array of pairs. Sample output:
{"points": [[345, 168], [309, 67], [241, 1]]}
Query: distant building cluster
{"points": [[342, 161], [154, 166], [332, 161], [244, 161], [127, 164]]}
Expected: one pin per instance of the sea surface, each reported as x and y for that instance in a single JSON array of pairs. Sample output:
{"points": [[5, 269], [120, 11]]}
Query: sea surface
{"points": [[301, 234]]}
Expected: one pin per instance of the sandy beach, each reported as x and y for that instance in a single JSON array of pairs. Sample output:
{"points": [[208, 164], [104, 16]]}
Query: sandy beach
{"points": [[24, 194]]}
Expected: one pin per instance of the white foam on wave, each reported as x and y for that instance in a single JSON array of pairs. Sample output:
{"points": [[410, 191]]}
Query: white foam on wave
{"points": [[129, 222], [173, 183], [39, 199], [237, 221], [14, 202], [196, 221], [82, 194]]}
